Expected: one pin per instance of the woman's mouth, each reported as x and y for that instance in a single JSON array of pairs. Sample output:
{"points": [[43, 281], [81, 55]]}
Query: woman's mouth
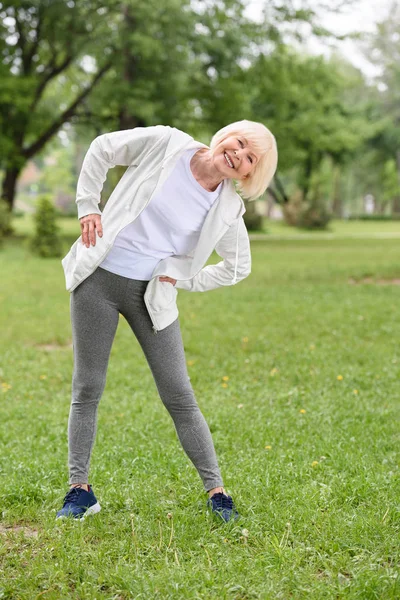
{"points": [[228, 161]]}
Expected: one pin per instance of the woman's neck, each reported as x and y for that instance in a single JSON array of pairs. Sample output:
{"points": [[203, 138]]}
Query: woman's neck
{"points": [[203, 170]]}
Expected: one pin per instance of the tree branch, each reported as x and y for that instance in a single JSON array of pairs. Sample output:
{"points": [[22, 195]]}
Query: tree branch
{"points": [[281, 189], [55, 70], [35, 44], [21, 41], [64, 117], [273, 193]]}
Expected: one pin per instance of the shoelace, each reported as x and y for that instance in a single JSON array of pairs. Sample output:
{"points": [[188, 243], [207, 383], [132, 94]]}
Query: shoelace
{"points": [[72, 495], [222, 500]]}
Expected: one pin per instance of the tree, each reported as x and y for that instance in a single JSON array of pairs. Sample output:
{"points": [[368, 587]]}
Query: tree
{"points": [[302, 99], [383, 49], [41, 42], [156, 61]]}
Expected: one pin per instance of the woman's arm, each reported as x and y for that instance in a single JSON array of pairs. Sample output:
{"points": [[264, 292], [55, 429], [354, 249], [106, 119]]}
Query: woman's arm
{"points": [[223, 273], [125, 148]]}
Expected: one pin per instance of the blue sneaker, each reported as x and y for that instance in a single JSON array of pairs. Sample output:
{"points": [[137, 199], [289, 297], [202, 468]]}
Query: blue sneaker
{"points": [[78, 503], [222, 506]]}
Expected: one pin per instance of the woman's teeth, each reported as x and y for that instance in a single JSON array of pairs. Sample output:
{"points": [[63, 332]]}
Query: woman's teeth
{"points": [[228, 160]]}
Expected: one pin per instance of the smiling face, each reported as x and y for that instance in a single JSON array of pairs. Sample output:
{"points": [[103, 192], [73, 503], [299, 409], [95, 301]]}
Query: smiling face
{"points": [[235, 157]]}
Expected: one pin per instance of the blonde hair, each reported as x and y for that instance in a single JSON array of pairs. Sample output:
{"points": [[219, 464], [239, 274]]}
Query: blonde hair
{"points": [[264, 145]]}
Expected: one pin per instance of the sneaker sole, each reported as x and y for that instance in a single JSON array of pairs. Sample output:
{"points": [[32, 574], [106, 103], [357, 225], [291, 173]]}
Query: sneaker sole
{"points": [[92, 510]]}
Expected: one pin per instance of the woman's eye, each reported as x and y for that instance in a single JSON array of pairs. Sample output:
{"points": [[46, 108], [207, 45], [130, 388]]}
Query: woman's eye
{"points": [[250, 159], [241, 143]]}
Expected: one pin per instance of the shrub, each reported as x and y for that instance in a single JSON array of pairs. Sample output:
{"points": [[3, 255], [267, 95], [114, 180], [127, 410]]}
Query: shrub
{"points": [[5, 220], [292, 209], [252, 219], [313, 215], [308, 214], [46, 241]]}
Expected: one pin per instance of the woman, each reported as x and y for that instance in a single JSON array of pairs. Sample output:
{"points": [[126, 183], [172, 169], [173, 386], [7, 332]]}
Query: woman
{"points": [[174, 205]]}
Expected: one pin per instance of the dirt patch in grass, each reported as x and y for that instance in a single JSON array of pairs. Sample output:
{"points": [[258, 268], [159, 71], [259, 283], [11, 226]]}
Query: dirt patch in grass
{"points": [[53, 347], [371, 280], [25, 529]]}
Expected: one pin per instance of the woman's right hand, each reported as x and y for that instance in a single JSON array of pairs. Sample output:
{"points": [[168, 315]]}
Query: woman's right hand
{"points": [[89, 225]]}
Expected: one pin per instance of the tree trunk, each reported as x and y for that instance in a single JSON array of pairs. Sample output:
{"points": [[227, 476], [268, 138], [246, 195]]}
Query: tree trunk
{"points": [[281, 189], [126, 119], [10, 185]]}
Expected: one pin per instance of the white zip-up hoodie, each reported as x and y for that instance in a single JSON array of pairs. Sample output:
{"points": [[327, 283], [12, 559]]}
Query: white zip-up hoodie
{"points": [[151, 154]]}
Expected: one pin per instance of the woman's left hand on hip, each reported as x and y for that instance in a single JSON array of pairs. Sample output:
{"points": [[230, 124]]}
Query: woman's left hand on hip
{"points": [[168, 279]]}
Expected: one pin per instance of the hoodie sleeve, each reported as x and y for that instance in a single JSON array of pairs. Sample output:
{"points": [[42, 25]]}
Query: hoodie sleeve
{"points": [[124, 148], [234, 249]]}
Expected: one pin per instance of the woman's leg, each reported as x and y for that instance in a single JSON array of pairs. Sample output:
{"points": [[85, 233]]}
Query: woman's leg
{"points": [[165, 355], [94, 318]]}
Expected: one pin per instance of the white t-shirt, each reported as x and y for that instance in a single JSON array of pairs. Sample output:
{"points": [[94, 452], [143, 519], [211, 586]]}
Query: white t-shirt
{"points": [[170, 225]]}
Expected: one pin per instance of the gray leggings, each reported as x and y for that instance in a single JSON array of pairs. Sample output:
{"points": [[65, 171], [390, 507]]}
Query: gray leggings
{"points": [[95, 307]]}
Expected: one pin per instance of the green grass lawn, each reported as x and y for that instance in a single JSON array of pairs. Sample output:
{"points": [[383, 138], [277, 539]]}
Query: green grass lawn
{"points": [[306, 429]]}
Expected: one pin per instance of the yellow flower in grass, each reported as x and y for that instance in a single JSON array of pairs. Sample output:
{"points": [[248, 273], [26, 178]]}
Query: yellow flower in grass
{"points": [[355, 392], [5, 386], [339, 377], [224, 385], [225, 378], [245, 340], [302, 411], [274, 371], [268, 447], [191, 363], [314, 463], [43, 377]]}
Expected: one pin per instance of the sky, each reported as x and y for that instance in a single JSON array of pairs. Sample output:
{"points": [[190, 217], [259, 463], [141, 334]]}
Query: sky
{"points": [[360, 15]]}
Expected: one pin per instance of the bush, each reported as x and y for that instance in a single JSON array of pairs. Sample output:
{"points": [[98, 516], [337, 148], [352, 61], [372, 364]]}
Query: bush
{"points": [[5, 220], [47, 241], [309, 214], [291, 210], [313, 215], [252, 219]]}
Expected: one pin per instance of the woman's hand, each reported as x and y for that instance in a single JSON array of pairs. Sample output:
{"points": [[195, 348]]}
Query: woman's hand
{"points": [[168, 279], [89, 225]]}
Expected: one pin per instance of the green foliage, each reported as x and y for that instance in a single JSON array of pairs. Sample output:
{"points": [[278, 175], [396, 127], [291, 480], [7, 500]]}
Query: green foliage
{"points": [[312, 212], [305, 101], [46, 241], [391, 185], [314, 215], [252, 219]]}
